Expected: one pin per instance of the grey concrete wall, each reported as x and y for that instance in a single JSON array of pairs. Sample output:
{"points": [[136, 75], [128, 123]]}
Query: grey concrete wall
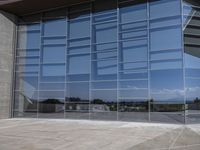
{"points": [[7, 37]]}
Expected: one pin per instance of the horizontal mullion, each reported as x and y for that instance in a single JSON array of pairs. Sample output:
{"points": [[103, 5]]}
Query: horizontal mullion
{"points": [[131, 62], [33, 56], [132, 30], [104, 22], [73, 47], [75, 54], [103, 89], [53, 36], [52, 63], [70, 20], [53, 45], [166, 27], [104, 13], [124, 89], [80, 38], [104, 51], [166, 60], [165, 51]]}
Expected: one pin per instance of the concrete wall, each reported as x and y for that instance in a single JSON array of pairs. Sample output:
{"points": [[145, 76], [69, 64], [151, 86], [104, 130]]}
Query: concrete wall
{"points": [[7, 34]]}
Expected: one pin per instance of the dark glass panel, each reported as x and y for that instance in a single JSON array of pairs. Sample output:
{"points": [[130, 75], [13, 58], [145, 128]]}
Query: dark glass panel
{"points": [[51, 104], [77, 100], [133, 110], [103, 105]]}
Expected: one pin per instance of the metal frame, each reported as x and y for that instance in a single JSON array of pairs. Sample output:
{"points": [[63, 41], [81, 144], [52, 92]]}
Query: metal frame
{"points": [[118, 42]]}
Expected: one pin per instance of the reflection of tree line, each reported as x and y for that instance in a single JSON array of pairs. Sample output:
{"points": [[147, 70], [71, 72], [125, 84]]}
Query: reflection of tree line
{"points": [[122, 106]]}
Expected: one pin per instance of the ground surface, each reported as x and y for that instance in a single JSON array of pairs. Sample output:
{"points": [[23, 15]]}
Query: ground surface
{"points": [[32, 134]]}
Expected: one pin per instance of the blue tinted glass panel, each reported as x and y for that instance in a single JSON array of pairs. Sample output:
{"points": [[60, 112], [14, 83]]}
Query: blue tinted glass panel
{"points": [[105, 32], [167, 85], [53, 54], [79, 64], [166, 55], [51, 25], [166, 38], [57, 40], [133, 13], [133, 84], [79, 28], [53, 70], [166, 65], [164, 8]]}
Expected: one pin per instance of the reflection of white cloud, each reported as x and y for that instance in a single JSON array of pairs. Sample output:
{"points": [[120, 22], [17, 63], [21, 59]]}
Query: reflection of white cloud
{"points": [[192, 92], [168, 91], [135, 88], [167, 94]]}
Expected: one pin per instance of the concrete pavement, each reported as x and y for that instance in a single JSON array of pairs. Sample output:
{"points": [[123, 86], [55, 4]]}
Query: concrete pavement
{"points": [[46, 134]]}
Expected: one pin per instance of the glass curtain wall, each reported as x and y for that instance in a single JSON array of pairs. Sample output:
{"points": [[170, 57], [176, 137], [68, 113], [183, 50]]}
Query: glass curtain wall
{"points": [[104, 60], [191, 30]]}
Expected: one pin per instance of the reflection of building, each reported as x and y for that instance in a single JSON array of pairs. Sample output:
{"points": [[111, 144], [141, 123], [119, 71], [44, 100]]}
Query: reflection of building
{"points": [[101, 59]]}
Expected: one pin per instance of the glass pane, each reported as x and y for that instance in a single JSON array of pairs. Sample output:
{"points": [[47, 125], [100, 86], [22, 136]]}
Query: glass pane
{"points": [[165, 39], [53, 54], [50, 26], [167, 85], [133, 13], [77, 100], [103, 105], [79, 64], [164, 8], [26, 104]]}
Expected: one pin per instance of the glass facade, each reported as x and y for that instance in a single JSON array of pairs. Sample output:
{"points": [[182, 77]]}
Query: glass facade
{"points": [[126, 60]]}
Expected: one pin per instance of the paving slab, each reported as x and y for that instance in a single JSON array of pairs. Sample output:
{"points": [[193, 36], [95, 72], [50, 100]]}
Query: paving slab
{"points": [[55, 134]]}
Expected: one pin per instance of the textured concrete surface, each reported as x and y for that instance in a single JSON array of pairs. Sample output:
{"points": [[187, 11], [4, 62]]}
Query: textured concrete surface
{"points": [[44, 134], [7, 29]]}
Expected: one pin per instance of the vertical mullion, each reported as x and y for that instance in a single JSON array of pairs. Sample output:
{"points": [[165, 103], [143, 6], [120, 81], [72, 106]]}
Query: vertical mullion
{"points": [[66, 50], [91, 47], [12, 104], [40, 59], [183, 60], [118, 45], [148, 59]]}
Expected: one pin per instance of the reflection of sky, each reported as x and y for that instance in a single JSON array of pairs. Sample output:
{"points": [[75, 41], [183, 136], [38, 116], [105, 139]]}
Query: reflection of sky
{"points": [[165, 84], [192, 61]]}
